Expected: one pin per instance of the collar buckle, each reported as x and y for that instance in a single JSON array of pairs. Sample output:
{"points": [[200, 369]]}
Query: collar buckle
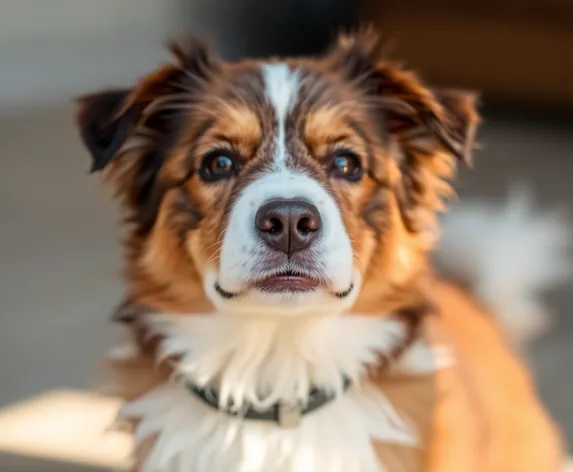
{"points": [[289, 415]]}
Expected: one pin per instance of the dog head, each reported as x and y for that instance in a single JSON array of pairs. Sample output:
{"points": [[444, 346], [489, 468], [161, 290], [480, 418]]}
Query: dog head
{"points": [[279, 187]]}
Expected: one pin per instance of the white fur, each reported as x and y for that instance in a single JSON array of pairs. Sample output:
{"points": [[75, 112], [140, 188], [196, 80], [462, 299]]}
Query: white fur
{"points": [[508, 254], [281, 87], [261, 360], [419, 360], [242, 251]]}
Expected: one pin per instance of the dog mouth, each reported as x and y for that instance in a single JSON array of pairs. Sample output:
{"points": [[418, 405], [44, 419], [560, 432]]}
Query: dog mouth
{"points": [[286, 282]]}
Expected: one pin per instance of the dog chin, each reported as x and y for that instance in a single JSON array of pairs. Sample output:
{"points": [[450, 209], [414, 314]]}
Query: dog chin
{"points": [[257, 301]]}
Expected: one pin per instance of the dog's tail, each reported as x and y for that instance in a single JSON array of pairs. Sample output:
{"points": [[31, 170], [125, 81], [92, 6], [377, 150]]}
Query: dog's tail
{"points": [[507, 255]]}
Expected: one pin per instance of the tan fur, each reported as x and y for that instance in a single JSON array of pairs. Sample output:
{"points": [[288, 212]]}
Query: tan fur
{"points": [[511, 430], [481, 414]]}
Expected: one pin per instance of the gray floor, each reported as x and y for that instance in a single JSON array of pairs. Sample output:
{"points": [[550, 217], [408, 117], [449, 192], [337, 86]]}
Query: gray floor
{"points": [[60, 256]]}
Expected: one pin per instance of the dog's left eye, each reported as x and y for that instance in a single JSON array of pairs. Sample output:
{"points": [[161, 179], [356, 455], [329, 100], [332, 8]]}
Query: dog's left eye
{"points": [[218, 165], [346, 165]]}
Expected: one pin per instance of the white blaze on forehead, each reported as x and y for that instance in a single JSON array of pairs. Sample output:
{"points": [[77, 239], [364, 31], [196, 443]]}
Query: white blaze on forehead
{"points": [[281, 87]]}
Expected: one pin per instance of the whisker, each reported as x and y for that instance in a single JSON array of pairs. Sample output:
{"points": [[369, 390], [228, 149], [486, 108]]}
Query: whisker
{"points": [[358, 262], [214, 256], [219, 239]]}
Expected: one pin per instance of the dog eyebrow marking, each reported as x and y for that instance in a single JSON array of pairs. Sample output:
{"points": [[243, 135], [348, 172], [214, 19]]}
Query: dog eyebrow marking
{"points": [[281, 87]]}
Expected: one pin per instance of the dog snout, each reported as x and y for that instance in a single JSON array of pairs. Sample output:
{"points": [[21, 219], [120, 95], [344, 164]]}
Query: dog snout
{"points": [[288, 226]]}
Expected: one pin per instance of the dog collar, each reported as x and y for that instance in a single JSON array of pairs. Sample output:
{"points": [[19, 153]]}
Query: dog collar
{"points": [[284, 414]]}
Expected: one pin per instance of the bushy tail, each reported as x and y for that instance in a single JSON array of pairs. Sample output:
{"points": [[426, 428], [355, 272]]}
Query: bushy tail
{"points": [[508, 254]]}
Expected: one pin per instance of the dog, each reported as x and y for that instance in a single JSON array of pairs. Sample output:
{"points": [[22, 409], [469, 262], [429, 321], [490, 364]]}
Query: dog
{"points": [[283, 309]]}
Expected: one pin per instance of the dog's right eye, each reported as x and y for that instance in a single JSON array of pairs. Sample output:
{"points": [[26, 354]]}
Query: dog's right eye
{"points": [[218, 165]]}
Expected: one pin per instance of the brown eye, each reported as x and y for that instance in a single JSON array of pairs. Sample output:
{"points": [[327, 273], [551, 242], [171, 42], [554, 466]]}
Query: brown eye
{"points": [[218, 165], [346, 165]]}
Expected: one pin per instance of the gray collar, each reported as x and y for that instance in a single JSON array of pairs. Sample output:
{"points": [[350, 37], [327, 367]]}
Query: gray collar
{"points": [[285, 415]]}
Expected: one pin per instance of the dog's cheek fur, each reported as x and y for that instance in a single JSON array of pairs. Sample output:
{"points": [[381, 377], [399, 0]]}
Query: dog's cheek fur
{"points": [[203, 246], [162, 273], [185, 239], [391, 259]]}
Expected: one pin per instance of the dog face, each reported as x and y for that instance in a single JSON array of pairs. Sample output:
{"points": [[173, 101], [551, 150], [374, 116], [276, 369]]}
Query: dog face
{"points": [[279, 187]]}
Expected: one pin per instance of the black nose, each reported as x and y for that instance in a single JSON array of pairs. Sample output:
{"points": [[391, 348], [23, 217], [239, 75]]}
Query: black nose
{"points": [[288, 225]]}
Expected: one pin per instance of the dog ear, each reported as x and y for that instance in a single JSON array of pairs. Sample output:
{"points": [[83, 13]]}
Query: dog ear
{"points": [[429, 148], [103, 126], [462, 118], [449, 116], [431, 129], [107, 119], [129, 133]]}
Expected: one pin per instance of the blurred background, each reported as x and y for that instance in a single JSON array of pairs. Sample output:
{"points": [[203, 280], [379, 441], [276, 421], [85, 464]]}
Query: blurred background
{"points": [[59, 253]]}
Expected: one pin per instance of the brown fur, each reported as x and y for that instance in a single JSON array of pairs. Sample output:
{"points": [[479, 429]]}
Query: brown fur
{"points": [[480, 414]]}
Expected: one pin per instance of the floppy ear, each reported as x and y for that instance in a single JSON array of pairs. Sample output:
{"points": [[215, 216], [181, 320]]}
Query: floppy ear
{"points": [[448, 116], [429, 129], [103, 126], [108, 118], [428, 155], [130, 132], [462, 118]]}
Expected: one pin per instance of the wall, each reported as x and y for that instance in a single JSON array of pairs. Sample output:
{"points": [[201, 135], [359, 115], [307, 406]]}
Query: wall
{"points": [[53, 50]]}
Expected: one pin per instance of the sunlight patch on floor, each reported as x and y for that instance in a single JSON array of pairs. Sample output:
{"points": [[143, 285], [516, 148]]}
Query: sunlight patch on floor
{"points": [[68, 426]]}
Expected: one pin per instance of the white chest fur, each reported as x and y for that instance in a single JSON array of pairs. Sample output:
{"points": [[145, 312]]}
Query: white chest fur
{"points": [[260, 361]]}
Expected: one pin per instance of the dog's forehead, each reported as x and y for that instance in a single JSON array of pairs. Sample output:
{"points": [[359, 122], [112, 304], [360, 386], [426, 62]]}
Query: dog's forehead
{"points": [[281, 84], [280, 90]]}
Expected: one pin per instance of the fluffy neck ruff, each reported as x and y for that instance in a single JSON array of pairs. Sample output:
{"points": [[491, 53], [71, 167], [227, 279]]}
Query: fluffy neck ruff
{"points": [[260, 361]]}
